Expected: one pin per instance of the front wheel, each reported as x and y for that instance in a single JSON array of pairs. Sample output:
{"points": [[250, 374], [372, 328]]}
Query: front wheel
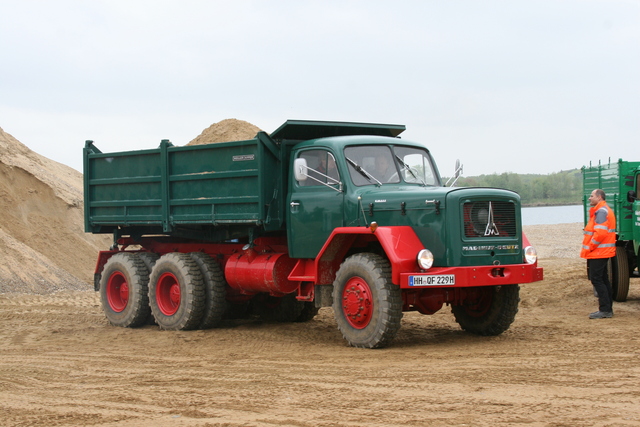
{"points": [[488, 310], [366, 305]]}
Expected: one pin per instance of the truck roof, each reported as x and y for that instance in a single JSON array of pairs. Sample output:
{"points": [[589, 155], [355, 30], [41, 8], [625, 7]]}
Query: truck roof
{"points": [[301, 130]]}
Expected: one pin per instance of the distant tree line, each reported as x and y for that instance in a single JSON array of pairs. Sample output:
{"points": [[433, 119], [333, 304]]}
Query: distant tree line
{"points": [[560, 188]]}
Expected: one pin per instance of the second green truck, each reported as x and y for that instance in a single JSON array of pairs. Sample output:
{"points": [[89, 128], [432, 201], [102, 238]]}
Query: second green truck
{"points": [[621, 183]]}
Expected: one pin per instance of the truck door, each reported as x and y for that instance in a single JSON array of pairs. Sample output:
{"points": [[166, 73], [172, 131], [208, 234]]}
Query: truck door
{"points": [[315, 204]]}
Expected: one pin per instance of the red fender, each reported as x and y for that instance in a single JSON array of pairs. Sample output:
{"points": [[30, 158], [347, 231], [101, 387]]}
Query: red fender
{"points": [[401, 244]]}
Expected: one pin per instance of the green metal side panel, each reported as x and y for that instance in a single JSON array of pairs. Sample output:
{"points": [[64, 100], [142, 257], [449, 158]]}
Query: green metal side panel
{"points": [[227, 183], [616, 179], [122, 189]]}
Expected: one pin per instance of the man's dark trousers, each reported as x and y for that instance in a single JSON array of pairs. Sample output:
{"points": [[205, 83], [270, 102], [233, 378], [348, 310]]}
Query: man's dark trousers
{"points": [[600, 280]]}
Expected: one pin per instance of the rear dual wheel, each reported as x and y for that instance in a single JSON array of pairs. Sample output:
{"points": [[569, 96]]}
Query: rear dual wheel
{"points": [[124, 290], [176, 292], [215, 290], [149, 259], [187, 291]]}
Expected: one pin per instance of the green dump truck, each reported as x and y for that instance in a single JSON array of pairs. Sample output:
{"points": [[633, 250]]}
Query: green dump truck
{"points": [[315, 214], [620, 182]]}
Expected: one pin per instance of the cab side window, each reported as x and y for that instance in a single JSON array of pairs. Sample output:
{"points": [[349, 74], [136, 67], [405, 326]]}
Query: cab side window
{"points": [[321, 168]]}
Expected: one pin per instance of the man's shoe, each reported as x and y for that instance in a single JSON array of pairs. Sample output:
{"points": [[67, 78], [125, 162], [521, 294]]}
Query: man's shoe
{"points": [[601, 315]]}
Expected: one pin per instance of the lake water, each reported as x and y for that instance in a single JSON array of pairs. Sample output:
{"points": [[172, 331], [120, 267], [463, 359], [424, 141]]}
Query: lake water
{"points": [[552, 215]]}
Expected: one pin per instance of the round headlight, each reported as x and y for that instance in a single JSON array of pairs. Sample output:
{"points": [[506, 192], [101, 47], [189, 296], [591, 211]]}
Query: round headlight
{"points": [[530, 254], [425, 259]]}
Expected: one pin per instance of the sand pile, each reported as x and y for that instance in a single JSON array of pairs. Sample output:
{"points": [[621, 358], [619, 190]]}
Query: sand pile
{"points": [[43, 247], [226, 130]]}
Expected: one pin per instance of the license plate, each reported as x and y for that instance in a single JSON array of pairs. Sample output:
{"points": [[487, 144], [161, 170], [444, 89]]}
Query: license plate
{"points": [[433, 280]]}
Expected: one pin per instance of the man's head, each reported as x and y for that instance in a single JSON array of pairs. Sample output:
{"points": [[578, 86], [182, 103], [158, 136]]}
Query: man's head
{"points": [[323, 163], [596, 197]]}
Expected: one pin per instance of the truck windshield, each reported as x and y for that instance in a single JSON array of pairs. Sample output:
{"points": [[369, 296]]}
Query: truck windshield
{"points": [[380, 164]]}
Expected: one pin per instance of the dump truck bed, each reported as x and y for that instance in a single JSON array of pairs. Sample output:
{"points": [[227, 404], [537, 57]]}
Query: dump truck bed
{"points": [[158, 190]]}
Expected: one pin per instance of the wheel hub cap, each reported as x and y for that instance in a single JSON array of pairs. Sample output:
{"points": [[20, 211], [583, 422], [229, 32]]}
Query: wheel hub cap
{"points": [[168, 294], [117, 292], [357, 303]]}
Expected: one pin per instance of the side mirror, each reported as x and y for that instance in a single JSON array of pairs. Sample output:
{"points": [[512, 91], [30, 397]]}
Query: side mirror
{"points": [[632, 196], [458, 168], [456, 174], [300, 169]]}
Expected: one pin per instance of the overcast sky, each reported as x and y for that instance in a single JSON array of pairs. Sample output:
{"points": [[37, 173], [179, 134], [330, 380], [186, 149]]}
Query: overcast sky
{"points": [[506, 86]]}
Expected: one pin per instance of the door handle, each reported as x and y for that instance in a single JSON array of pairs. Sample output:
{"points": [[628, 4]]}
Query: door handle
{"points": [[294, 204]]}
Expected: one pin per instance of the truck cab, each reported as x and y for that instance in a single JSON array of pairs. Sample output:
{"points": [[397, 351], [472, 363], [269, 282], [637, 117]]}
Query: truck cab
{"points": [[354, 181]]}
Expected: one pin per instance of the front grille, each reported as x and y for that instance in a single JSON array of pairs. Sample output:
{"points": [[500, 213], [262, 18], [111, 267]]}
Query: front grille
{"points": [[489, 219]]}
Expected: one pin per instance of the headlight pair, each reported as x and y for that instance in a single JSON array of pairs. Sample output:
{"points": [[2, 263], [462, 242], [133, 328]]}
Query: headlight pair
{"points": [[425, 257]]}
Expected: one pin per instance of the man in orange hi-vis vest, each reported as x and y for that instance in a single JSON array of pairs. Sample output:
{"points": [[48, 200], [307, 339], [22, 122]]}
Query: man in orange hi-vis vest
{"points": [[598, 245]]}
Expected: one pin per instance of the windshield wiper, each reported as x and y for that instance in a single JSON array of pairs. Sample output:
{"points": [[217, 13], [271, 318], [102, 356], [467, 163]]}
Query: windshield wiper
{"points": [[362, 171], [408, 168]]}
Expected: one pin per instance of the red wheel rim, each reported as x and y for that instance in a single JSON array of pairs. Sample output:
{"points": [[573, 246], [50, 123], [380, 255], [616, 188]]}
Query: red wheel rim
{"points": [[117, 292], [357, 304], [168, 294]]}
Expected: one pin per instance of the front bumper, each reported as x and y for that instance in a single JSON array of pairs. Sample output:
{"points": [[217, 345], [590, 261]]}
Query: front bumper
{"points": [[485, 275]]}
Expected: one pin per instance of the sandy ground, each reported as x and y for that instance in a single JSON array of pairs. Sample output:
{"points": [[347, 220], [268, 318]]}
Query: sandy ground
{"points": [[61, 364]]}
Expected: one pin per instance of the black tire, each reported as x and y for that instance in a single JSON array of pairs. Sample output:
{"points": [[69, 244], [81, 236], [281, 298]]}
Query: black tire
{"points": [[176, 292], [277, 309], [215, 290], [124, 291], [149, 259], [309, 311], [618, 268], [366, 304], [490, 312]]}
